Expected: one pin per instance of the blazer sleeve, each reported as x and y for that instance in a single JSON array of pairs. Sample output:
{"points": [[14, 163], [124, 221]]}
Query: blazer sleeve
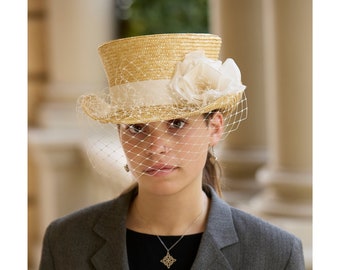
{"points": [[296, 259], [46, 260]]}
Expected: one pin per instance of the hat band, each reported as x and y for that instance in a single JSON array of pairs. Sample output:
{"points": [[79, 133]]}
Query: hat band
{"points": [[143, 93], [197, 80]]}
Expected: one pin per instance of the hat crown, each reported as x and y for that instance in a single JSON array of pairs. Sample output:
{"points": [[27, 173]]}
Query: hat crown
{"points": [[152, 57]]}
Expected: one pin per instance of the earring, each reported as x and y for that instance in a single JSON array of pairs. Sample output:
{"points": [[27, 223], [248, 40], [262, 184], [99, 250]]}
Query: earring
{"points": [[126, 167], [213, 157]]}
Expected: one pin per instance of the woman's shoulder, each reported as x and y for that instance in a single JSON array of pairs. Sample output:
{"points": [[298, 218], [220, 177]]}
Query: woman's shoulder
{"points": [[256, 229], [85, 230], [246, 223], [250, 226], [87, 212], [90, 215], [251, 240]]}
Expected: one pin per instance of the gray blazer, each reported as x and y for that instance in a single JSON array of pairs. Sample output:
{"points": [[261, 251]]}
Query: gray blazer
{"points": [[94, 238]]}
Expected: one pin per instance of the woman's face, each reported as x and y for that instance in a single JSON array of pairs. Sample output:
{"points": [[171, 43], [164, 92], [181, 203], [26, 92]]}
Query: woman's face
{"points": [[168, 155]]}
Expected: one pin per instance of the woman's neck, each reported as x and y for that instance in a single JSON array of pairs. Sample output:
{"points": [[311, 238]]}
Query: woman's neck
{"points": [[169, 215]]}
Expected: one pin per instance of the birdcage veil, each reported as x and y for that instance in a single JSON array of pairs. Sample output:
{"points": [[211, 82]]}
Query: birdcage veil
{"points": [[163, 92]]}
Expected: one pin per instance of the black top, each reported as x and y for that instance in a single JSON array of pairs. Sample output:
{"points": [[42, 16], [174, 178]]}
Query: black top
{"points": [[145, 251]]}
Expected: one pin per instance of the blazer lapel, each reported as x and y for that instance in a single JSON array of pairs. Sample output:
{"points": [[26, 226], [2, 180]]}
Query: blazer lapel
{"points": [[218, 249], [209, 256], [111, 227]]}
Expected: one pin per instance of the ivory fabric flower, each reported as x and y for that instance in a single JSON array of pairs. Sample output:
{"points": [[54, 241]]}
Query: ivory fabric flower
{"points": [[198, 79]]}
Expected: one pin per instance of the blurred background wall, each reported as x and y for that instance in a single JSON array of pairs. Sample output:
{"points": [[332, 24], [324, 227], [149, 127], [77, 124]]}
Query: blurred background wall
{"points": [[267, 162]]}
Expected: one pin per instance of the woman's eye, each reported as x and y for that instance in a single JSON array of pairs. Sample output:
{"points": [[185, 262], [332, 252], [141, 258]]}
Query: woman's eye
{"points": [[135, 129], [177, 123]]}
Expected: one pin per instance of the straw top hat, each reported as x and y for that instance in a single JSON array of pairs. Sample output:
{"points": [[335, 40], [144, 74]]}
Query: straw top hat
{"points": [[162, 77]]}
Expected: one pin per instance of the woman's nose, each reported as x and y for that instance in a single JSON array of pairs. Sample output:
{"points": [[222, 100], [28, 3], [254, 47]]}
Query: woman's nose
{"points": [[157, 141]]}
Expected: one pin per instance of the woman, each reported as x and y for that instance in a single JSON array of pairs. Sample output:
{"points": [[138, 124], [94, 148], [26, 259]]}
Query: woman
{"points": [[171, 101]]}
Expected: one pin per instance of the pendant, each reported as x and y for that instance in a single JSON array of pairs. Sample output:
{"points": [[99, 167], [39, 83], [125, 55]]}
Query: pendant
{"points": [[168, 260]]}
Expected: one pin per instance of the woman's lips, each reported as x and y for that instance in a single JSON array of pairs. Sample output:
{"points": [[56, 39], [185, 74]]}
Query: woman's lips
{"points": [[160, 170]]}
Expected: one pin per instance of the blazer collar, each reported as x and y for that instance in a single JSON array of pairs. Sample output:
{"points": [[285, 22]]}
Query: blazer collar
{"points": [[220, 234], [112, 227]]}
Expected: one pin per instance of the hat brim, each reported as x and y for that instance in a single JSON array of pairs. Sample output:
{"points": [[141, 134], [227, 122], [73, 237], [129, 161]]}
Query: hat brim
{"points": [[98, 108]]}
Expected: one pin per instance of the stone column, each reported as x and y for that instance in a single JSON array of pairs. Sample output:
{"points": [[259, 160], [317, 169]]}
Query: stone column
{"points": [[287, 176], [239, 23], [36, 55], [74, 29], [36, 80]]}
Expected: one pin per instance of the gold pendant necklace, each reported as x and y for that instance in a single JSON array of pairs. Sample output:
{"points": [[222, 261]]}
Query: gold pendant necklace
{"points": [[169, 260]]}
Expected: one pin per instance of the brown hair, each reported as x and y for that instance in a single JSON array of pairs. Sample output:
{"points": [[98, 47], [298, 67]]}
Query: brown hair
{"points": [[212, 174], [212, 170]]}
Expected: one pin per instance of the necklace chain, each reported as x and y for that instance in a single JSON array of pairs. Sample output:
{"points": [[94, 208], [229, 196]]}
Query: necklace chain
{"points": [[169, 260], [191, 224]]}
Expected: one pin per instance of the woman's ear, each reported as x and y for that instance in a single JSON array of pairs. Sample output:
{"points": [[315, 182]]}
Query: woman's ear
{"points": [[216, 123]]}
